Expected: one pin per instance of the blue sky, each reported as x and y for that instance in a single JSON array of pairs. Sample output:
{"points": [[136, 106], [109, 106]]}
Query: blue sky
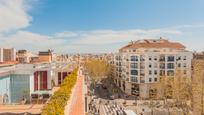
{"points": [[70, 26]]}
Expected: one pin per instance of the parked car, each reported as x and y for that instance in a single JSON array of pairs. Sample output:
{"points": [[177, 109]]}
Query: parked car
{"points": [[112, 97]]}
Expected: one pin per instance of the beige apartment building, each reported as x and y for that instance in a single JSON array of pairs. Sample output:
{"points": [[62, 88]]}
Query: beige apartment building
{"points": [[141, 63], [7, 54]]}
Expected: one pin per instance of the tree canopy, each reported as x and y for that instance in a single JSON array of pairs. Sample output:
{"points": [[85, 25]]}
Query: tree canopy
{"points": [[97, 69]]}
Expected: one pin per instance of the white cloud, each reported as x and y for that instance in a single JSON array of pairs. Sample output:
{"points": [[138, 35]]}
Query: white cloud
{"points": [[13, 14], [31, 41], [114, 36], [65, 34], [83, 41]]}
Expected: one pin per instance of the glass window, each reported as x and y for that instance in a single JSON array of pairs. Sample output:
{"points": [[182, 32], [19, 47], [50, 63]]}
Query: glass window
{"points": [[134, 79], [150, 58], [184, 58], [134, 58], [170, 58], [150, 65], [134, 72], [170, 65], [150, 79], [155, 58], [179, 64], [155, 79], [134, 65], [179, 58], [155, 72], [184, 64], [150, 72]]}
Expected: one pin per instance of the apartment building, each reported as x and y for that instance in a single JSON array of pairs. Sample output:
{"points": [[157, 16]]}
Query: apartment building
{"points": [[141, 63], [7, 54], [45, 56], [23, 56]]}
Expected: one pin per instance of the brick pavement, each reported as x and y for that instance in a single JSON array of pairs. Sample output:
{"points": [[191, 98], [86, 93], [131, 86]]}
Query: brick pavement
{"points": [[77, 107]]}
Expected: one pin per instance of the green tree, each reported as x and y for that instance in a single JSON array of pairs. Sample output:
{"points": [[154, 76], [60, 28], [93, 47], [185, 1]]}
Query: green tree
{"points": [[97, 69], [198, 87]]}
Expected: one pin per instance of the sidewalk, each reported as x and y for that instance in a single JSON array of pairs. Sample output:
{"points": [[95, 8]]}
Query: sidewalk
{"points": [[76, 104]]}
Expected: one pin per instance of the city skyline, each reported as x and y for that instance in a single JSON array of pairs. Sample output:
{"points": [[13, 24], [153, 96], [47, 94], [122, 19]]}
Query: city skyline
{"points": [[102, 26]]}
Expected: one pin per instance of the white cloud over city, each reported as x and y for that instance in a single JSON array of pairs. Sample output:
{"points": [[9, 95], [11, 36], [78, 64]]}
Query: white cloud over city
{"points": [[15, 19]]}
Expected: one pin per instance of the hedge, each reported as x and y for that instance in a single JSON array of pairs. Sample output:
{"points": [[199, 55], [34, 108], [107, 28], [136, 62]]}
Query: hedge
{"points": [[59, 100]]}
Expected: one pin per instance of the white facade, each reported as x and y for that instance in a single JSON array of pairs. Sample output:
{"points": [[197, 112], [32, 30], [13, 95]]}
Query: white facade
{"points": [[137, 68], [26, 73]]}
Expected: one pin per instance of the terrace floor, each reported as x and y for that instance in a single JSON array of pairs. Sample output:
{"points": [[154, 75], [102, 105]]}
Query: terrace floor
{"points": [[27, 108], [17, 109]]}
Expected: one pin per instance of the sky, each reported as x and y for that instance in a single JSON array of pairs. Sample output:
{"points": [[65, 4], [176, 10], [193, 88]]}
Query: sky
{"points": [[98, 26]]}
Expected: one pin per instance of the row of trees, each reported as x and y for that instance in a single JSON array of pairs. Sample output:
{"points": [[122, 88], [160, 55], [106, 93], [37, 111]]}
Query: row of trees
{"points": [[178, 89], [186, 93], [97, 69], [59, 100]]}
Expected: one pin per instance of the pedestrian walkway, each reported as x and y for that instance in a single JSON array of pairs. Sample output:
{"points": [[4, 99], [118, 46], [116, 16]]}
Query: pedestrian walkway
{"points": [[77, 103]]}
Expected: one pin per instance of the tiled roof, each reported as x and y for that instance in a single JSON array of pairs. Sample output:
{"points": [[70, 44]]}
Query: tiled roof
{"points": [[158, 43]]}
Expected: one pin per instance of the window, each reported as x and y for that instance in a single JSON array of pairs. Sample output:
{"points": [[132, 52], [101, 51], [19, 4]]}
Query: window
{"points": [[134, 65], [184, 58], [170, 58], [134, 58], [134, 72], [179, 58], [179, 64], [150, 72], [150, 58], [155, 58], [150, 65], [133, 79], [170, 65], [150, 79], [162, 72], [155, 72], [155, 79], [170, 73], [133, 50], [184, 64]]}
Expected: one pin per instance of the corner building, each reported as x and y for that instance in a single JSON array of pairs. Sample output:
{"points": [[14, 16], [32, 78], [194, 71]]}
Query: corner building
{"points": [[141, 63]]}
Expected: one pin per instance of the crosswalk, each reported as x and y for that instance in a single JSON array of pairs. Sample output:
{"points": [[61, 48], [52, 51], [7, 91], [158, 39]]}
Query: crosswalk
{"points": [[113, 109]]}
